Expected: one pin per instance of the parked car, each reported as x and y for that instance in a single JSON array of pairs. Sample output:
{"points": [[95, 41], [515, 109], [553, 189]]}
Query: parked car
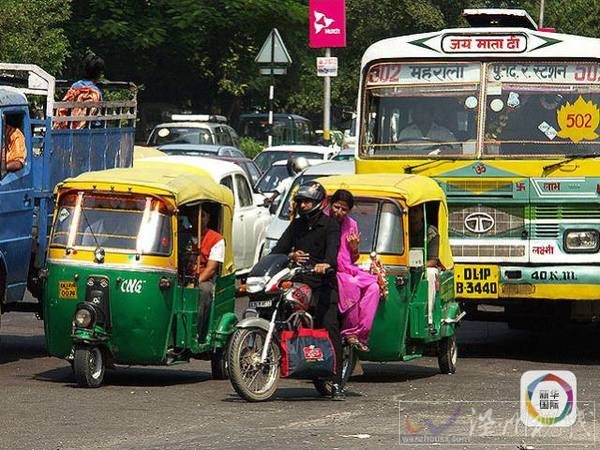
{"points": [[287, 128], [250, 217], [268, 156], [347, 154], [194, 129], [282, 213], [201, 150]]}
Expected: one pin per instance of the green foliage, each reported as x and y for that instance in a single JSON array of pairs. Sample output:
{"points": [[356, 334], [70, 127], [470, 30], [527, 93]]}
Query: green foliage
{"points": [[250, 147], [30, 32]]}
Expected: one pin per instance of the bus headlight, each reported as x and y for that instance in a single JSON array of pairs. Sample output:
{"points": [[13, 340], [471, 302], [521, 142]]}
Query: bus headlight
{"points": [[84, 317], [584, 241]]}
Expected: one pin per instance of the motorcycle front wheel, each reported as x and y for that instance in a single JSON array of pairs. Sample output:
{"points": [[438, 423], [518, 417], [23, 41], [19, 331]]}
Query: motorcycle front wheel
{"points": [[252, 380]]}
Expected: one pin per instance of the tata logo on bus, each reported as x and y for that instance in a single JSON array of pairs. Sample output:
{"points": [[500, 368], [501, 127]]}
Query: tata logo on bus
{"points": [[327, 23], [132, 286], [479, 222]]}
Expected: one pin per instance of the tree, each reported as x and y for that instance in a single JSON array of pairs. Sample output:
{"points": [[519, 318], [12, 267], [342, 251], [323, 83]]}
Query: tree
{"points": [[31, 32]]}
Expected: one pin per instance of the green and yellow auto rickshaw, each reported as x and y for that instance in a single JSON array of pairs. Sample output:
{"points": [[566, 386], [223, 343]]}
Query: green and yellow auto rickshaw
{"points": [[388, 209], [119, 286]]}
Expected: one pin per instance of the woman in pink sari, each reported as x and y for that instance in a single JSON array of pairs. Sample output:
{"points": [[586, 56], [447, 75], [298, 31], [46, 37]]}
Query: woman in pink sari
{"points": [[358, 290]]}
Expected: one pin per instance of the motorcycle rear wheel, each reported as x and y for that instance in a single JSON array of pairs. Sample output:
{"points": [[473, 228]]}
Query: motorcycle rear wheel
{"points": [[253, 381], [349, 359]]}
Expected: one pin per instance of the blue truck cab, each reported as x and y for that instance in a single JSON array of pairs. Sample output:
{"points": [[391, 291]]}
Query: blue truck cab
{"points": [[62, 140]]}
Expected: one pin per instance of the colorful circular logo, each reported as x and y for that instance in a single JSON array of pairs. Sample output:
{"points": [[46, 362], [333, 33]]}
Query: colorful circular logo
{"points": [[535, 412]]}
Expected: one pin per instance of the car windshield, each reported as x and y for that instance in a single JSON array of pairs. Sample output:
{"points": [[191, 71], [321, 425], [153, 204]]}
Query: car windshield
{"points": [[252, 171], [180, 135], [266, 159], [123, 223], [271, 178], [343, 157]]}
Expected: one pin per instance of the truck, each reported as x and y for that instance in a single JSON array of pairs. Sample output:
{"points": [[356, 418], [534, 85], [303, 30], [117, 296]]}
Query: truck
{"points": [[62, 140]]}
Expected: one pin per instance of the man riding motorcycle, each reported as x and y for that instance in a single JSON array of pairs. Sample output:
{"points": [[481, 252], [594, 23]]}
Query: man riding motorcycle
{"points": [[313, 238]]}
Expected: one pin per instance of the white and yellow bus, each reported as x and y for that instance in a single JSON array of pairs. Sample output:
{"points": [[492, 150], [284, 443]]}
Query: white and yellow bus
{"points": [[505, 118]]}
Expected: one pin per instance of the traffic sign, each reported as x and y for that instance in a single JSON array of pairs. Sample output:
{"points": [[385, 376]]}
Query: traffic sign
{"points": [[273, 51], [327, 67]]}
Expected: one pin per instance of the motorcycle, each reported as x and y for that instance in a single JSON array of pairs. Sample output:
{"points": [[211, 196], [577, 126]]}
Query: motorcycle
{"points": [[278, 302]]}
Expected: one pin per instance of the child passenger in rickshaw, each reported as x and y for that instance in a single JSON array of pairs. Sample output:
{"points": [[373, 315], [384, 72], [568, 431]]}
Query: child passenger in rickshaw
{"points": [[209, 253], [359, 290]]}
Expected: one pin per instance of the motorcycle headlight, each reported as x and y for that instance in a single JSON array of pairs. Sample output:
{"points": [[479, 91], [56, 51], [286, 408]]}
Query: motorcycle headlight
{"points": [[584, 241], [255, 284], [84, 318]]}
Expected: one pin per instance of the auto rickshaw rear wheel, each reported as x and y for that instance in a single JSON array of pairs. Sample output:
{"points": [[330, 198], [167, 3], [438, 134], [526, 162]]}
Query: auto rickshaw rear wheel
{"points": [[89, 366], [447, 354], [349, 359], [218, 364]]}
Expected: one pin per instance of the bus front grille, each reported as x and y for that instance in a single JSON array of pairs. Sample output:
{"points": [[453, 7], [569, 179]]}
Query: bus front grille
{"points": [[506, 221], [495, 251]]}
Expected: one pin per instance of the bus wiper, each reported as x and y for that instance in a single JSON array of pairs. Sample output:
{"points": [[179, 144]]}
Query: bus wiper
{"points": [[409, 169], [556, 165]]}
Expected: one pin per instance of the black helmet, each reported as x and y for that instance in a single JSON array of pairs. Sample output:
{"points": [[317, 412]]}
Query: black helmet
{"points": [[314, 191]]}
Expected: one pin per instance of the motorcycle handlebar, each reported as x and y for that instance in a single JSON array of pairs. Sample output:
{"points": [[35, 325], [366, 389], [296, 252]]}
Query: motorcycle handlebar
{"points": [[310, 270]]}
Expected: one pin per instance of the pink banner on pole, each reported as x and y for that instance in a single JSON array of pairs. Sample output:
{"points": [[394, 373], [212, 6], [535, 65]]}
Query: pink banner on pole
{"points": [[327, 23]]}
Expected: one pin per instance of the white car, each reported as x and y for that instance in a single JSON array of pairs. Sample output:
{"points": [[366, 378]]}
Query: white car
{"points": [[197, 129], [282, 215], [269, 155], [271, 179], [250, 217]]}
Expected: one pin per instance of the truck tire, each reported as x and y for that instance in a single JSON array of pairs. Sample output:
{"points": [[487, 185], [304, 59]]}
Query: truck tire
{"points": [[89, 366], [447, 354]]}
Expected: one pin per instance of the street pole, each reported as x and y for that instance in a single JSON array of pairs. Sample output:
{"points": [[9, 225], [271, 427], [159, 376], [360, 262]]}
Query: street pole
{"points": [[326, 103], [541, 21], [271, 92]]}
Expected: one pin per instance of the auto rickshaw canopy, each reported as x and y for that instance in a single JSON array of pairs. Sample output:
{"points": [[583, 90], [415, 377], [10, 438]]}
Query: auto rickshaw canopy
{"points": [[184, 183], [411, 189]]}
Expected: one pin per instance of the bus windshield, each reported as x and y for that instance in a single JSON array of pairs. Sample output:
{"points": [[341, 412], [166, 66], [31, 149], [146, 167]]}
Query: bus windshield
{"points": [[541, 109], [522, 109]]}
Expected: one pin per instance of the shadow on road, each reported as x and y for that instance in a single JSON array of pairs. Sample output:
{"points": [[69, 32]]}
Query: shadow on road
{"points": [[133, 377], [567, 344], [13, 348]]}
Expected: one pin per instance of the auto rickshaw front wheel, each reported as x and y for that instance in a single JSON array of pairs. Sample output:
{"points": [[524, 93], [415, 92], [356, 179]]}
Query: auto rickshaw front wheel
{"points": [[447, 354], [89, 366]]}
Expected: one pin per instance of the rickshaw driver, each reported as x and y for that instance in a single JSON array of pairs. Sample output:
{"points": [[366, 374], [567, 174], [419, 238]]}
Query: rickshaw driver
{"points": [[417, 224], [212, 253]]}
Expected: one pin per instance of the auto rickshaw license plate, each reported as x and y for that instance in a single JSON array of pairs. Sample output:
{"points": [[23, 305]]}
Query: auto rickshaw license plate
{"points": [[480, 281], [67, 289]]}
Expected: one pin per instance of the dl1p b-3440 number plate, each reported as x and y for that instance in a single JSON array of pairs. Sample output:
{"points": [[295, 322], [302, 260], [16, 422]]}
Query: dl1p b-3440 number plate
{"points": [[480, 281]]}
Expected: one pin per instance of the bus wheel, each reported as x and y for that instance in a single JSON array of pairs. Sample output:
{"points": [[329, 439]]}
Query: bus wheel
{"points": [[447, 354], [89, 366]]}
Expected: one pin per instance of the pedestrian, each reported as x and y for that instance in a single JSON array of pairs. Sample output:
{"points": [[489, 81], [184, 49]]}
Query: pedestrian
{"points": [[359, 291], [313, 238]]}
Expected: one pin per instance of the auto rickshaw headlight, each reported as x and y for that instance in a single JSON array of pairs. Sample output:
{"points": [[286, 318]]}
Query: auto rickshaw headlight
{"points": [[84, 318], [99, 255], [583, 241]]}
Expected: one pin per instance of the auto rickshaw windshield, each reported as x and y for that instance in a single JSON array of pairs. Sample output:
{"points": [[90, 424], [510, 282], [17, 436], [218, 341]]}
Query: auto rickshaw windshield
{"points": [[123, 223]]}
